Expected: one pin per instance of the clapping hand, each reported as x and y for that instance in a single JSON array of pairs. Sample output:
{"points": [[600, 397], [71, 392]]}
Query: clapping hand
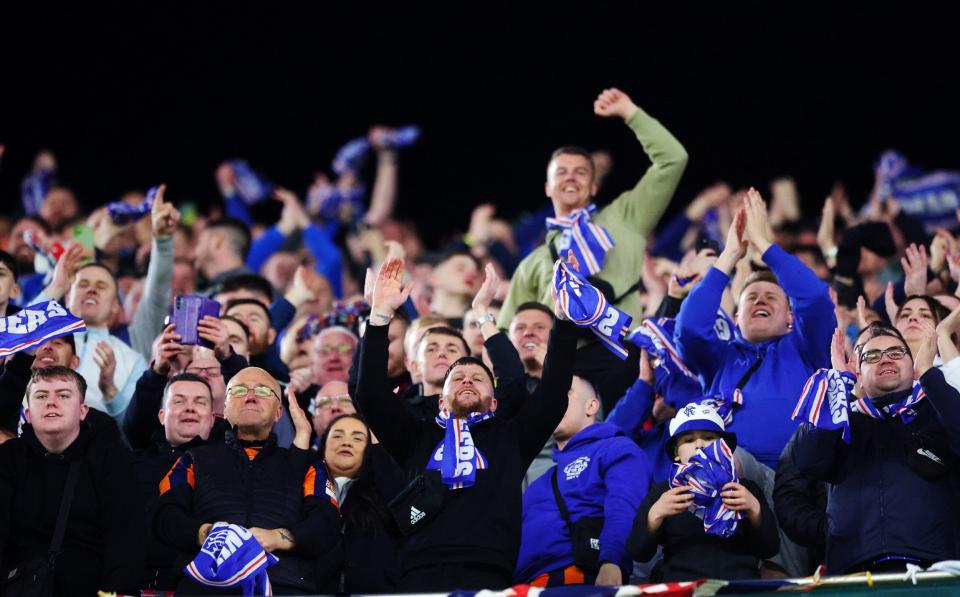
{"points": [[389, 293]]}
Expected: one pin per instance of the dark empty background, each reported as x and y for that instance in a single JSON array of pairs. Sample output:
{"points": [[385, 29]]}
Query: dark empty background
{"points": [[131, 94]]}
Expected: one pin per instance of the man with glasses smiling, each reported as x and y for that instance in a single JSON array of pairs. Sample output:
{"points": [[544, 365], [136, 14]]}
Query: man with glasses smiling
{"points": [[893, 482], [250, 481], [331, 401]]}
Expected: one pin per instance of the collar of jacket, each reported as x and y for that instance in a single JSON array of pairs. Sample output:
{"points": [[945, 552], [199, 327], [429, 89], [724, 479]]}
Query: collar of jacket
{"points": [[74, 451], [164, 447], [231, 439]]}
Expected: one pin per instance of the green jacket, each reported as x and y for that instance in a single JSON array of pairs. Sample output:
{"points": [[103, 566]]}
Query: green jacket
{"points": [[629, 219]]}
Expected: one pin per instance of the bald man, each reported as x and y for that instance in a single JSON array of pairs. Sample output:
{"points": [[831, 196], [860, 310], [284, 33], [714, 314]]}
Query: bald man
{"points": [[251, 481]]}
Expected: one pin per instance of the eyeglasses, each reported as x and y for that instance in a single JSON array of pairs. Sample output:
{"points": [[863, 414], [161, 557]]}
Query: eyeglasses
{"points": [[325, 401], [259, 391], [212, 371], [873, 356], [343, 348]]}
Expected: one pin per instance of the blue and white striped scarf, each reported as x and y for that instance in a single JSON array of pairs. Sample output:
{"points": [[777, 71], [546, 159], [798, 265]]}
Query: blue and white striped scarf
{"points": [[827, 400], [230, 557], [588, 242], [586, 306], [456, 456]]}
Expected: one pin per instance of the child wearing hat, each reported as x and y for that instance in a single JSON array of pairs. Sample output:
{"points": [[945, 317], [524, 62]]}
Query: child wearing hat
{"points": [[742, 528]]}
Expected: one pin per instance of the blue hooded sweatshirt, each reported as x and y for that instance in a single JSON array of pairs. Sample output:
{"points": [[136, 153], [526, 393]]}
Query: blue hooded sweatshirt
{"points": [[600, 473], [762, 423]]}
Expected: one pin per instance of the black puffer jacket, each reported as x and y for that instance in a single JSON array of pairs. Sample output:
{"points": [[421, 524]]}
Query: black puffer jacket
{"points": [[266, 491]]}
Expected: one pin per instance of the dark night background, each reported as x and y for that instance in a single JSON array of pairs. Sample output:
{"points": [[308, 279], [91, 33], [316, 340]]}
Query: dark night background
{"points": [[130, 94]]}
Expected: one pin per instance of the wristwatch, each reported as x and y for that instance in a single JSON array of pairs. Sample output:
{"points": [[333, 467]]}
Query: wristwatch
{"points": [[485, 318]]}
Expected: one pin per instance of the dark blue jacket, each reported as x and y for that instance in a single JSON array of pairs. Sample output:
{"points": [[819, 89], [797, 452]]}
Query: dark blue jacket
{"points": [[600, 473], [877, 502], [762, 423]]}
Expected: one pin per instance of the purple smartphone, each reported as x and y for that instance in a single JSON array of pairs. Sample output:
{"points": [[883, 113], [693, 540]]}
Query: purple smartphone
{"points": [[188, 310]]}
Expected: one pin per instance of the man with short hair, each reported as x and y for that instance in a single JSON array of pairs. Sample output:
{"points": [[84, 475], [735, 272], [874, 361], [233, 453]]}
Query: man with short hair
{"points": [[263, 335], [785, 320], [220, 252], [9, 289], [186, 416], [529, 331], [454, 280], [599, 473], [102, 547], [571, 186], [250, 481], [902, 448], [437, 349], [140, 424], [470, 541]]}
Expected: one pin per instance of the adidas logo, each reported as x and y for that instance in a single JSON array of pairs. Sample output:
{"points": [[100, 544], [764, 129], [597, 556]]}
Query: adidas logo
{"points": [[416, 515]]}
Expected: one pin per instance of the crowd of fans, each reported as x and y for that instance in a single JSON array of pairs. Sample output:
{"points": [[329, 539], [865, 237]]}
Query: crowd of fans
{"points": [[752, 391]]}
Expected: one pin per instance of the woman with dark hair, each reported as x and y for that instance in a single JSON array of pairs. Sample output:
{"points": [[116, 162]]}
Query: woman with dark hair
{"points": [[916, 319], [361, 479]]}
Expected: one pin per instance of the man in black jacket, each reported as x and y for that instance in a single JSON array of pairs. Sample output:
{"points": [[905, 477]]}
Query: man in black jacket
{"points": [[472, 539], [248, 480], [103, 546], [893, 489], [187, 418], [800, 503]]}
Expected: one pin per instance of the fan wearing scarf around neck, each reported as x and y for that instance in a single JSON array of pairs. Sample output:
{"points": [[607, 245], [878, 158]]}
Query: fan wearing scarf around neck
{"points": [[884, 427], [608, 242], [462, 515], [710, 523]]}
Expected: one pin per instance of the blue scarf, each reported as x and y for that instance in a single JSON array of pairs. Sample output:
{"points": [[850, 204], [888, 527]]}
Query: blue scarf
{"points": [[352, 156], [930, 197], [34, 189], [656, 337], [36, 324], [251, 186], [831, 391], [456, 457], [586, 307], [588, 242], [329, 202], [230, 557], [706, 473], [122, 213]]}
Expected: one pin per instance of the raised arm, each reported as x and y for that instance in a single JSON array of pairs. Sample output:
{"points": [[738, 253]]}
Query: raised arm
{"points": [[384, 194], [813, 309], [511, 390], [699, 346], [395, 427], [147, 323], [642, 206], [545, 408]]}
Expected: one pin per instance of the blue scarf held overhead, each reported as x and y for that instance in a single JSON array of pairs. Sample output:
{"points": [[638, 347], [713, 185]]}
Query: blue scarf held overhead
{"points": [[123, 213], [588, 242], [231, 557], [456, 456], [35, 324], [827, 401], [706, 473], [931, 197], [352, 156], [34, 189], [250, 185], [586, 307]]}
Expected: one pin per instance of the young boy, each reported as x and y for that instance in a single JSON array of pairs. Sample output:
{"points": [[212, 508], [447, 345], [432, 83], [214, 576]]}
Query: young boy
{"points": [[664, 518]]}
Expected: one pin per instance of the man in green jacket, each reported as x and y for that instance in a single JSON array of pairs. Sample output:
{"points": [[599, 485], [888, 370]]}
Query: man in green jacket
{"points": [[571, 185]]}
